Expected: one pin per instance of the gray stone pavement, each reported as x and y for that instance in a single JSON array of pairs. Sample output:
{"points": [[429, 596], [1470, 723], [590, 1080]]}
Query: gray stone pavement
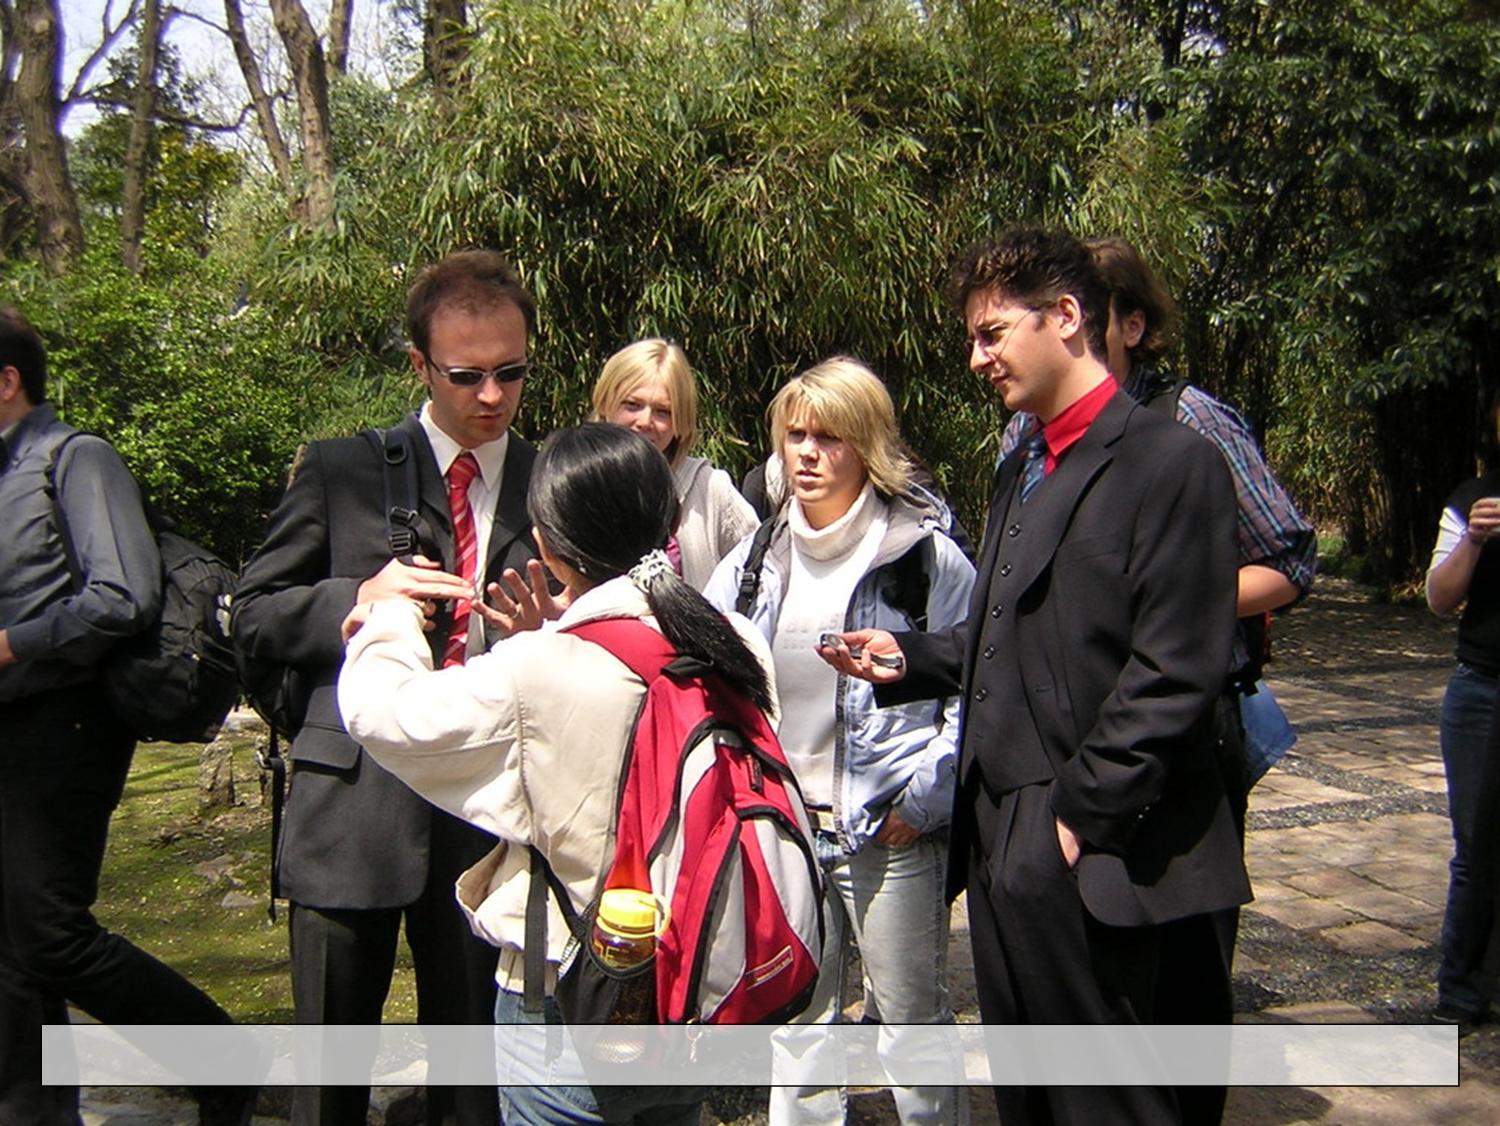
{"points": [[1347, 848]]}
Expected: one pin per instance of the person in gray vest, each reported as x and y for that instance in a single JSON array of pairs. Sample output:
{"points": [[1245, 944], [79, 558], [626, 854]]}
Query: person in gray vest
{"points": [[63, 755]]}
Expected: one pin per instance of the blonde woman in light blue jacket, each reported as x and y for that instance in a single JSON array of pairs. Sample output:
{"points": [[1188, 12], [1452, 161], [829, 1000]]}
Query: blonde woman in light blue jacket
{"points": [[853, 547]]}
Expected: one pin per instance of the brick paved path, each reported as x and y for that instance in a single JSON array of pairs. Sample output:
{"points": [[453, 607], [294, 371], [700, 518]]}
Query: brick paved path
{"points": [[1348, 850], [1348, 847]]}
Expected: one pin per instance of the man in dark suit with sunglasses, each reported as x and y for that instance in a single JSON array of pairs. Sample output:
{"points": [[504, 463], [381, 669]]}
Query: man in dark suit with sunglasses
{"points": [[360, 851]]}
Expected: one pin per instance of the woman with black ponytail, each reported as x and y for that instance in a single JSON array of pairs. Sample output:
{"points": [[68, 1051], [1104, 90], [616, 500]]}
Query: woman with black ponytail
{"points": [[587, 487], [528, 740]]}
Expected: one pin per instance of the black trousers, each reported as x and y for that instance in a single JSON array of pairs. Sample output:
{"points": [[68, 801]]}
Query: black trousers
{"points": [[342, 962], [1041, 958], [63, 762]]}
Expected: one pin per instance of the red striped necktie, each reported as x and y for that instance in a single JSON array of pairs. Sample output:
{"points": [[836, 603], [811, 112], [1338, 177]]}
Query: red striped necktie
{"points": [[465, 554]]}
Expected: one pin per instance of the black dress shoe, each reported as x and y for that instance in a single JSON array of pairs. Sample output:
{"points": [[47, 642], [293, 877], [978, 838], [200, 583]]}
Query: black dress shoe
{"points": [[1467, 1019]]}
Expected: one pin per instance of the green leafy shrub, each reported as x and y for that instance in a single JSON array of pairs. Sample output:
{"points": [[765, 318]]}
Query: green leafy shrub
{"points": [[202, 400]]}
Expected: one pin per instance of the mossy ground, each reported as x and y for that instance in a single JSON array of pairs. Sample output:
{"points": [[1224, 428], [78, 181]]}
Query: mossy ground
{"points": [[192, 887]]}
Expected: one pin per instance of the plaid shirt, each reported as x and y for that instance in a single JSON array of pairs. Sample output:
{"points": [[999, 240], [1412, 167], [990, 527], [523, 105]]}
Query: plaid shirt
{"points": [[1270, 532]]}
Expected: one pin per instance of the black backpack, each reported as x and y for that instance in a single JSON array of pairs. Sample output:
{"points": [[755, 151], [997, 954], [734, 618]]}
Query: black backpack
{"points": [[175, 681]]}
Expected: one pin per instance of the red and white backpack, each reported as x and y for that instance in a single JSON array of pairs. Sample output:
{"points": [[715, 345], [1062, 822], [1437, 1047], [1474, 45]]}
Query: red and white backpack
{"points": [[711, 820]]}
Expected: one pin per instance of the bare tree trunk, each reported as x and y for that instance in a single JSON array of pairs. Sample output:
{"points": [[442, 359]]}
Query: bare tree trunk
{"points": [[133, 194], [10, 58], [59, 228], [265, 113], [444, 32], [340, 23], [306, 56], [12, 154]]}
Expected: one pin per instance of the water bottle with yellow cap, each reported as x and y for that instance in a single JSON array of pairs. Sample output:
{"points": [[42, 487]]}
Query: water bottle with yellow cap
{"points": [[626, 927]]}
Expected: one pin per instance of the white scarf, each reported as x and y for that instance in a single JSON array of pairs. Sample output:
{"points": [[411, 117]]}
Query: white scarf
{"points": [[826, 565]]}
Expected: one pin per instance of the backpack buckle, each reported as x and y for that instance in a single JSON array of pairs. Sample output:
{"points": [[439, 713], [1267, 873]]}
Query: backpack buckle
{"points": [[402, 530]]}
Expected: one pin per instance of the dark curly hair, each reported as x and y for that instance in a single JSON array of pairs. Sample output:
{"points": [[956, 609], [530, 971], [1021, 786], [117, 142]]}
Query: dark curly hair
{"points": [[1034, 267]]}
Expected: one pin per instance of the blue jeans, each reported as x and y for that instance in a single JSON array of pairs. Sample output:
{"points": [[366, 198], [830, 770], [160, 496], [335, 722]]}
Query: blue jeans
{"points": [[889, 902], [562, 1105], [1463, 733]]}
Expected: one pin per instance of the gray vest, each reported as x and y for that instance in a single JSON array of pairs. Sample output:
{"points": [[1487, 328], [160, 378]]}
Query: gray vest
{"points": [[33, 561]]}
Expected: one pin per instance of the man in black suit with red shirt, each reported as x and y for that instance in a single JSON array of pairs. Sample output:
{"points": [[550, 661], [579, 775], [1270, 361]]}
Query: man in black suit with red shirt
{"points": [[1091, 827]]}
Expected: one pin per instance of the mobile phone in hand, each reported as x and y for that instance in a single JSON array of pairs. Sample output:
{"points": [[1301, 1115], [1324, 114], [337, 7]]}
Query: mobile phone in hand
{"points": [[834, 641]]}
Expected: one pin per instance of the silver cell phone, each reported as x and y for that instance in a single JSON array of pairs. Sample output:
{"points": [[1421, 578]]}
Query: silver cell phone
{"points": [[834, 641]]}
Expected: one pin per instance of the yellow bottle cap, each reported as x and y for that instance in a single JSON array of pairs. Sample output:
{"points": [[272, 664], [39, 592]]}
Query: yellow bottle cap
{"points": [[628, 912]]}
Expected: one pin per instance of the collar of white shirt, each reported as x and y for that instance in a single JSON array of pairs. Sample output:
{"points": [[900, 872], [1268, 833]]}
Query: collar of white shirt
{"points": [[491, 455]]}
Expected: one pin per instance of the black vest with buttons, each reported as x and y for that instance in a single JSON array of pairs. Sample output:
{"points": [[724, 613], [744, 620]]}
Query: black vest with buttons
{"points": [[1017, 756]]}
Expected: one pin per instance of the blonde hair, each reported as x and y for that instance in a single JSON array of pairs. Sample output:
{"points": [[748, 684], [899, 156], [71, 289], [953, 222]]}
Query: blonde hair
{"points": [[850, 402], [652, 360]]}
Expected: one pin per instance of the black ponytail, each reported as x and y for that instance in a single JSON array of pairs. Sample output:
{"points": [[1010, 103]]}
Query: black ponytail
{"points": [[603, 499]]}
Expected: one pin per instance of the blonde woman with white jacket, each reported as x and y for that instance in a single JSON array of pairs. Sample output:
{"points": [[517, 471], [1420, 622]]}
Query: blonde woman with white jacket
{"points": [[649, 387], [879, 781]]}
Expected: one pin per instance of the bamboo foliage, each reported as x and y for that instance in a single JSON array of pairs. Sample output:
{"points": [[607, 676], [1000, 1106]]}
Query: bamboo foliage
{"points": [[766, 190]]}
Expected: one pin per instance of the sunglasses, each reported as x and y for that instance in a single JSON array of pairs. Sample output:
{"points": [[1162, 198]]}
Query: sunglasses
{"points": [[473, 377]]}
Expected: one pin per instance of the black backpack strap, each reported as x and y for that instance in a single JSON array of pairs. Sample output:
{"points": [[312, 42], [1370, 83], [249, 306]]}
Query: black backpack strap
{"points": [[755, 559], [399, 473], [534, 950], [1164, 398], [75, 572], [273, 762]]}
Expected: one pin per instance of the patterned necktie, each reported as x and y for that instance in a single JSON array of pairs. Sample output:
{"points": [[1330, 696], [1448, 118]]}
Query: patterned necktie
{"points": [[465, 551], [1036, 464]]}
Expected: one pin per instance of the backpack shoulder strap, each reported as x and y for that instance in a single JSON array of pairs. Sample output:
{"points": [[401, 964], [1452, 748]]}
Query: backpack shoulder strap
{"points": [[1164, 401], [75, 572], [637, 646], [755, 559], [534, 950], [399, 473], [909, 581]]}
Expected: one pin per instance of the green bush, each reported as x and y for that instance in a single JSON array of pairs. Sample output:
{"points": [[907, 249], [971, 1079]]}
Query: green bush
{"points": [[204, 401]]}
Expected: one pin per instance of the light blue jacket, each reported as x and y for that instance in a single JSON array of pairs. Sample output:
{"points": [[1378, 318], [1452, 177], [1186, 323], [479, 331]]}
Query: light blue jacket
{"points": [[901, 757]]}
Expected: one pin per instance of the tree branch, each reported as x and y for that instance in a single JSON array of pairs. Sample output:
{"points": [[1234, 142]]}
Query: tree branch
{"points": [[340, 23], [102, 96], [310, 76], [196, 18], [265, 113], [143, 103], [107, 39]]}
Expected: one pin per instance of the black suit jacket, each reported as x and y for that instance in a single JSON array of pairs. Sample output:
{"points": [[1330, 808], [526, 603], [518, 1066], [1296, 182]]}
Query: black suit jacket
{"points": [[354, 836], [1095, 648]]}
